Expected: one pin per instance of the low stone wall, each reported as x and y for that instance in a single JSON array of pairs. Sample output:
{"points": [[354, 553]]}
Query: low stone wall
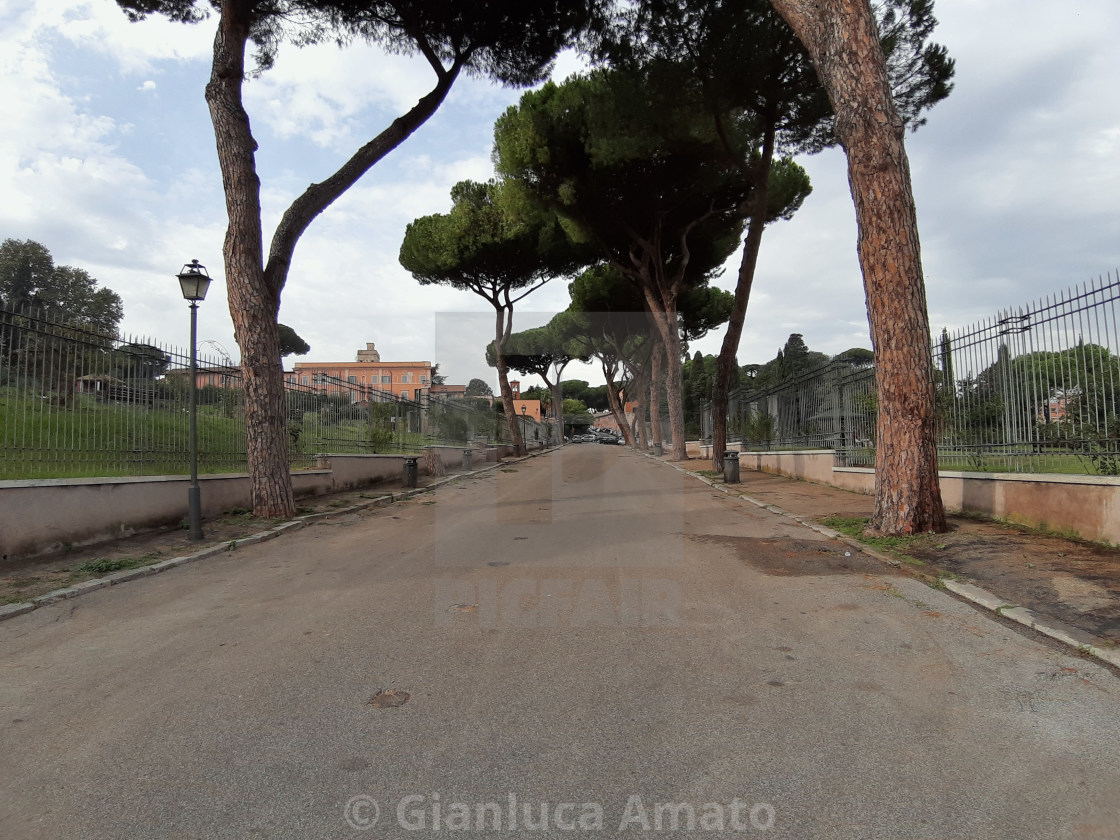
{"points": [[46, 515], [1083, 505]]}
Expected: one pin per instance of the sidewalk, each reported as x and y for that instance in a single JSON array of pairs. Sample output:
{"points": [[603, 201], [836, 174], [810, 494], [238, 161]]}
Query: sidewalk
{"points": [[1066, 582], [24, 580]]}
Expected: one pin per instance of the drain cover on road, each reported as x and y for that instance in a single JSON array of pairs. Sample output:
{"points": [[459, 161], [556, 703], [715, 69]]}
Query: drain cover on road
{"points": [[389, 699]]}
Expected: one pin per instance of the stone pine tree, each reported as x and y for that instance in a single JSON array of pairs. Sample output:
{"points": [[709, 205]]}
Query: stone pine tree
{"points": [[478, 388], [609, 317], [510, 42], [843, 40], [498, 246], [747, 65], [544, 352], [643, 179]]}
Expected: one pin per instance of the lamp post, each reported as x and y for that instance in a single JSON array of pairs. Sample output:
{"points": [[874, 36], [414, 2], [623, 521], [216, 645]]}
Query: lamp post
{"points": [[194, 281], [524, 431]]}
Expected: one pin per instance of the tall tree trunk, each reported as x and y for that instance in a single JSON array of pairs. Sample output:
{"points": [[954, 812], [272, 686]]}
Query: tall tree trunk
{"points": [[842, 39], [558, 409], [665, 317], [655, 393], [502, 329], [725, 362], [253, 288], [641, 429], [616, 407], [557, 400], [253, 305]]}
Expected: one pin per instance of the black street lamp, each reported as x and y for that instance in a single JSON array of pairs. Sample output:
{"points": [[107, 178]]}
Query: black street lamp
{"points": [[194, 282], [524, 431]]}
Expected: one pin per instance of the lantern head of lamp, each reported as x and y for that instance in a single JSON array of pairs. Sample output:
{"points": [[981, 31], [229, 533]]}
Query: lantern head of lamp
{"points": [[524, 408], [194, 281]]}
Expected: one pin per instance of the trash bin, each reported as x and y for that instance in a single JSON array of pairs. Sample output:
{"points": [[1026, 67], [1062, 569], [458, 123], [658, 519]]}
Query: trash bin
{"points": [[410, 472], [468, 459], [730, 467], [657, 449]]}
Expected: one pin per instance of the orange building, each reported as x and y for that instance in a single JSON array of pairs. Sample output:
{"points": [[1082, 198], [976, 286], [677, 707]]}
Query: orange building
{"points": [[365, 378], [528, 408]]}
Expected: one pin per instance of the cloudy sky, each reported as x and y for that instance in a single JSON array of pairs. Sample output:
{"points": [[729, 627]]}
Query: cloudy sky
{"points": [[107, 158]]}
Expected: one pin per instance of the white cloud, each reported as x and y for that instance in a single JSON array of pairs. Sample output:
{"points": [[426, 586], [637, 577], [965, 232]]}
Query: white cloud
{"points": [[302, 97], [147, 85], [101, 26]]}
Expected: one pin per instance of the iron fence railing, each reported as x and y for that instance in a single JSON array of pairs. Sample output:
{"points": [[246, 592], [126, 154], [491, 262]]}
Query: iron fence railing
{"points": [[75, 403], [1035, 388]]}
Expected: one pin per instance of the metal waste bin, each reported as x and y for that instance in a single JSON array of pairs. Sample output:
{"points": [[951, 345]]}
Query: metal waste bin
{"points": [[730, 467], [468, 459], [410, 472], [657, 449]]}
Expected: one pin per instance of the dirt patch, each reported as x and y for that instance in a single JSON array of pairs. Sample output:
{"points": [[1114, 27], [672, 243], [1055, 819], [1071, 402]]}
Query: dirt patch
{"points": [[789, 558], [1075, 582]]}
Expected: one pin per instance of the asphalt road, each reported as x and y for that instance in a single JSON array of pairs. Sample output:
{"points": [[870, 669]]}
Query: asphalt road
{"points": [[587, 631]]}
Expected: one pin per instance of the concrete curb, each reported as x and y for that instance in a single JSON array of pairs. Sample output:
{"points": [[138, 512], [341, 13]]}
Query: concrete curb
{"points": [[1079, 640], [23, 607]]}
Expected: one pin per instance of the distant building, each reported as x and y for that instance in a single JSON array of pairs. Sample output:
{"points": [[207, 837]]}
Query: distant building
{"points": [[370, 354], [366, 378], [449, 392]]}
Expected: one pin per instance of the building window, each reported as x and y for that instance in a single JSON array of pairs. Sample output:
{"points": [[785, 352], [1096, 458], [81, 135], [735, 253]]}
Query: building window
{"points": [[353, 380], [306, 380], [404, 395], [406, 378], [423, 379], [386, 379]]}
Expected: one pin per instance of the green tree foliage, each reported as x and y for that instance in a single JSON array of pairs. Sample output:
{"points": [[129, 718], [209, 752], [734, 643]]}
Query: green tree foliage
{"points": [[697, 381], [291, 343], [857, 357], [478, 388], [1071, 395], [30, 279], [578, 389], [632, 168], [792, 360], [495, 245], [574, 407], [539, 351], [141, 361]]}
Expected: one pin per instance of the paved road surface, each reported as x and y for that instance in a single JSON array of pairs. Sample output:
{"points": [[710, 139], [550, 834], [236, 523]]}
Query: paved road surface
{"points": [[587, 629]]}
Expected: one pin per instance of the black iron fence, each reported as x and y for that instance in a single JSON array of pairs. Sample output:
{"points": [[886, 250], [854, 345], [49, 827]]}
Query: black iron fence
{"points": [[1032, 389], [75, 403]]}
